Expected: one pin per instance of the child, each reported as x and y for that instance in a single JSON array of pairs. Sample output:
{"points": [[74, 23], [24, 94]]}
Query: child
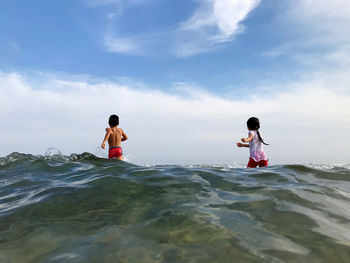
{"points": [[257, 154], [115, 137]]}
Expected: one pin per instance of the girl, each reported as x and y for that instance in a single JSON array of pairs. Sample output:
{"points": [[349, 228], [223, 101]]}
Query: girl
{"points": [[257, 154]]}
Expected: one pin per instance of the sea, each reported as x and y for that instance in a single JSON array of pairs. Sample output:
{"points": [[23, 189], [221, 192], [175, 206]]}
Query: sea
{"points": [[83, 208]]}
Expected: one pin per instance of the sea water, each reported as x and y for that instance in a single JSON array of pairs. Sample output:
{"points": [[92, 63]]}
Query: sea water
{"points": [[81, 208]]}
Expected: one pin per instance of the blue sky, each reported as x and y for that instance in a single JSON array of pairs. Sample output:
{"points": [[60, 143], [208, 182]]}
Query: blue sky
{"points": [[279, 60], [70, 36]]}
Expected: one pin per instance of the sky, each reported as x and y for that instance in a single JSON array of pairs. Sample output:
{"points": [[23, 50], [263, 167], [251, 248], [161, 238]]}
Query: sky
{"points": [[183, 76]]}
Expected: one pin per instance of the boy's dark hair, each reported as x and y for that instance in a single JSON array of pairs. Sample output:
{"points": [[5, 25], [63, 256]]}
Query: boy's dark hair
{"points": [[253, 123], [113, 120]]}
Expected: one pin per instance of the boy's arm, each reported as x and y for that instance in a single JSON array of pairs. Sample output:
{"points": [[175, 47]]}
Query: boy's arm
{"points": [[108, 133], [250, 138], [124, 136], [239, 144]]}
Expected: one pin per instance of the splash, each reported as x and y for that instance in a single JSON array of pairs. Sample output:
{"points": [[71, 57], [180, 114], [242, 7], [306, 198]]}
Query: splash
{"points": [[53, 152]]}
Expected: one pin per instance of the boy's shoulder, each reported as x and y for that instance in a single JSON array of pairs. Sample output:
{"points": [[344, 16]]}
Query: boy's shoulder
{"points": [[111, 129]]}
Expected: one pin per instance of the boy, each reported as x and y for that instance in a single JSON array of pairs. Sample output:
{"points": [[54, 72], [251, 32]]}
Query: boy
{"points": [[115, 137]]}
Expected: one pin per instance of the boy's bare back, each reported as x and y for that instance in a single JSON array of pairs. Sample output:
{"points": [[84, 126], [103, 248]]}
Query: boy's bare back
{"points": [[115, 138]]}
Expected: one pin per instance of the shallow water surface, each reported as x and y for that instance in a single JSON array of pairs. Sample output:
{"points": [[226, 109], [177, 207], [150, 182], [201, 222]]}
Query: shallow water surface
{"points": [[85, 209]]}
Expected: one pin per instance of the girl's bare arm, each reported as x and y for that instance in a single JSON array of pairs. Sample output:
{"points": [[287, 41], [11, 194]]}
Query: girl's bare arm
{"points": [[250, 138]]}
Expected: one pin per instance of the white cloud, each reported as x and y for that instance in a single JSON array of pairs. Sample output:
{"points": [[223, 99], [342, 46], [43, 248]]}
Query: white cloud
{"points": [[320, 31], [114, 8], [117, 42], [121, 45], [327, 23], [222, 15], [213, 23], [307, 123], [327, 11], [141, 45]]}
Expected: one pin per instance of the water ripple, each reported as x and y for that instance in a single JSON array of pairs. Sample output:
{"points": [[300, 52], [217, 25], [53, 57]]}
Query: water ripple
{"points": [[81, 208]]}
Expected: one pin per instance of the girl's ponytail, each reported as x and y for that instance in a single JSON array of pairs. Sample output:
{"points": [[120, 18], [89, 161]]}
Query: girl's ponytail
{"points": [[257, 131]]}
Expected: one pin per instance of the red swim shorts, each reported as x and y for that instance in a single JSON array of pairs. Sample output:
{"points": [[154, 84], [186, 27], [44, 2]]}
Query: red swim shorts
{"points": [[252, 163], [115, 152]]}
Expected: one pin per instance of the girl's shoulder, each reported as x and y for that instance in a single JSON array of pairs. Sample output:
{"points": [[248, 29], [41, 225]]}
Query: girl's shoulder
{"points": [[252, 132]]}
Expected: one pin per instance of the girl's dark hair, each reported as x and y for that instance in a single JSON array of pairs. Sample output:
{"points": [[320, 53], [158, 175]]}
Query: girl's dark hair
{"points": [[113, 120], [254, 124]]}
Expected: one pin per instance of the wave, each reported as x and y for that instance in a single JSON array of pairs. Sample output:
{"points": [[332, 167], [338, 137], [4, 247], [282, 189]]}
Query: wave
{"points": [[83, 208]]}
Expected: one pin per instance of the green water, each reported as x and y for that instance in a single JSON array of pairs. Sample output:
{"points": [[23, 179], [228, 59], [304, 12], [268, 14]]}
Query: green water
{"points": [[85, 209]]}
